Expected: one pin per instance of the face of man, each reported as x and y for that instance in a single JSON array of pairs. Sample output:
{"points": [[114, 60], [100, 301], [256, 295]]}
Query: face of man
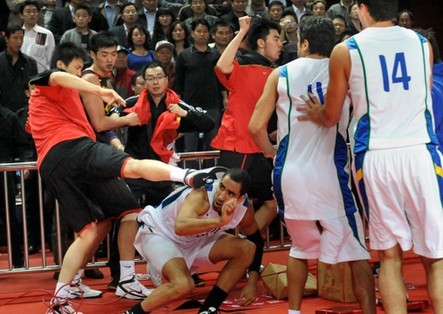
{"points": [[198, 6], [14, 42], [319, 9], [200, 35], [139, 85], [122, 60], [226, 190], [129, 14], [150, 5], [156, 81], [164, 55], [272, 45], [74, 67], [104, 60], [239, 6], [339, 25], [82, 18], [275, 13], [30, 15], [222, 36]]}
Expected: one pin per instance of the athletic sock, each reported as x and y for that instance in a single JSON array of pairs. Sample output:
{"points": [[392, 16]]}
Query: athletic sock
{"points": [[61, 289], [214, 299], [177, 175], [127, 268], [137, 309], [78, 275]]}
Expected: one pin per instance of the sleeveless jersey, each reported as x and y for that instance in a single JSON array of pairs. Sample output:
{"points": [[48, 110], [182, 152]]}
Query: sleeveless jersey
{"points": [[311, 175], [390, 85], [162, 218]]}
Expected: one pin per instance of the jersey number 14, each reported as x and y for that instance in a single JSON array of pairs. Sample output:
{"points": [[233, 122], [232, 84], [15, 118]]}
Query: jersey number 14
{"points": [[399, 74]]}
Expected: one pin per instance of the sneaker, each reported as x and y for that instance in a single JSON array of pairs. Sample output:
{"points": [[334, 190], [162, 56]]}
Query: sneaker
{"points": [[155, 277], [79, 290], [211, 310], [198, 178], [61, 306], [130, 288]]}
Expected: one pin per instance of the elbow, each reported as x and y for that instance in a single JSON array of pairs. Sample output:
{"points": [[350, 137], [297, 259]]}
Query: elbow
{"points": [[253, 129], [178, 229]]}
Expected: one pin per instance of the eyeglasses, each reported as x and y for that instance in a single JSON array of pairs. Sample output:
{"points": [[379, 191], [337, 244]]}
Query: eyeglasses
{"points": [[152, 79]]}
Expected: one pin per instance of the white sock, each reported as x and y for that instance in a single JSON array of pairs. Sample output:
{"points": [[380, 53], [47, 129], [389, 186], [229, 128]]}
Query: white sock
{"points": [[294, 312], [78, 275], [61, 289], [126, 268], [177, 174]]}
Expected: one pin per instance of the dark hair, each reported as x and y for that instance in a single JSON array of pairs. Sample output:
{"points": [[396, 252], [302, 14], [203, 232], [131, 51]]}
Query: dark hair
{"points": [[320, 34], [381, 10], [134, 77], [12, 28], [146, 44], [83, 7], [158, 34], [290, 13], [103, 39], [429, 34], [66, 52], [275, 2], [198, 22], [411, 16], [29, 2], [340, 17], [239, 176], [221, 23], [259, 29], [127, 4], [171, 30], [152, 65]]}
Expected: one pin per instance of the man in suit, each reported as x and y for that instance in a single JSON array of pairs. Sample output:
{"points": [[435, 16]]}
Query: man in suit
{"points": [[107, 15], [299, 8], [63, 19], [129, 17], [147, 15]]}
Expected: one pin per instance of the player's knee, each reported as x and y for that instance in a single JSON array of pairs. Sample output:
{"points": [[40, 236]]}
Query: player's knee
{"points": [[247, 251], [89, 234], [183, 286]]}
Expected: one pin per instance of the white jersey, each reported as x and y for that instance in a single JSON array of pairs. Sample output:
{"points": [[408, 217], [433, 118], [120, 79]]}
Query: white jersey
{"points": [[161, 219], [390, 83], [311, 174]]}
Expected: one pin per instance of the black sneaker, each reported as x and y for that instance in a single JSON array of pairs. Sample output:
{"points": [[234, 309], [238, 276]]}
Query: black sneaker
{"points": [[198, 282], [198, 178]]}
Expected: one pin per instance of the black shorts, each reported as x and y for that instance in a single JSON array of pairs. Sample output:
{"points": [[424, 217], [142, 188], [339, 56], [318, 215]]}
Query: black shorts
{"points": [[258, 168], [84, 177]]}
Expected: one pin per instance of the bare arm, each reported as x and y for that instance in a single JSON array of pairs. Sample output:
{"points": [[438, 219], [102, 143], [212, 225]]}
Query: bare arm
{"points": [[225, 63], [329, 114], [96, 113], [261, 115]]}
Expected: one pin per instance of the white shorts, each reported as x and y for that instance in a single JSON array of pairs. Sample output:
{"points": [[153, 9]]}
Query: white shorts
{"points": [[340, 240], [158, 249], [404, 198]]}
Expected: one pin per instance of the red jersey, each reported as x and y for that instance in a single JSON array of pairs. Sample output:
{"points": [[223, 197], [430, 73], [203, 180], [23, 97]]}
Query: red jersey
{"points": [[56, 114], [245, 85]]}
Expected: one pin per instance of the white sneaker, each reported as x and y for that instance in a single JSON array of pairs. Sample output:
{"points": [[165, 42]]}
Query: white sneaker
{"points": [[79, 290], [155, 277], [61, 306], [130, 288]]}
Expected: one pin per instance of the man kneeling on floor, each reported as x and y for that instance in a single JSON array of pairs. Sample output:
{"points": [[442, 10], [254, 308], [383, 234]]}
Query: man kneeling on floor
{"points": [[187, 230]]}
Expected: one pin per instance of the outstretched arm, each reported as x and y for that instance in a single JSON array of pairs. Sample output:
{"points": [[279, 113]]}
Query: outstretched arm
{"points": [[261, 115], [225, 63]]}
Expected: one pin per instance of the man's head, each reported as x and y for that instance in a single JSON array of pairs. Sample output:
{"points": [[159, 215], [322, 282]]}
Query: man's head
{"points": [[222, 33], [82, 15], [104, 51], [319, 8], [276, 9], [233, 185], [198, 6], [156, 79], [264, 38], [377, 10], [122, 58], [14, 39], [316, 36], [69, 57], [339, 23], [129, 13], [29, 12], [164, 52], [150, 5], [200, 31], [138, 83], [239, 6]]}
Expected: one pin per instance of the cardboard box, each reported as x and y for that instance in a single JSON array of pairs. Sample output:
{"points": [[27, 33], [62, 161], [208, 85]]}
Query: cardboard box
{"points": [[335, 282]]}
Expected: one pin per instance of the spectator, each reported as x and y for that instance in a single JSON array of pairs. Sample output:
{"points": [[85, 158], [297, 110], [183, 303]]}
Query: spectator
{"points": [[137, 83], [319, 8], [139, 43], [405, 18], [299, 8], [289, 27], [339, 25], [148, 14], [341, 8], [16, 69], [163, 21], [276, 9], [63, 19], [122, 75], [197, 83], [129, 17], [38, 42], [179, 35], [354, 26], [222, 34], [257, 8], [106, 15], [238, 9], [164, 52], [198, 12]]}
